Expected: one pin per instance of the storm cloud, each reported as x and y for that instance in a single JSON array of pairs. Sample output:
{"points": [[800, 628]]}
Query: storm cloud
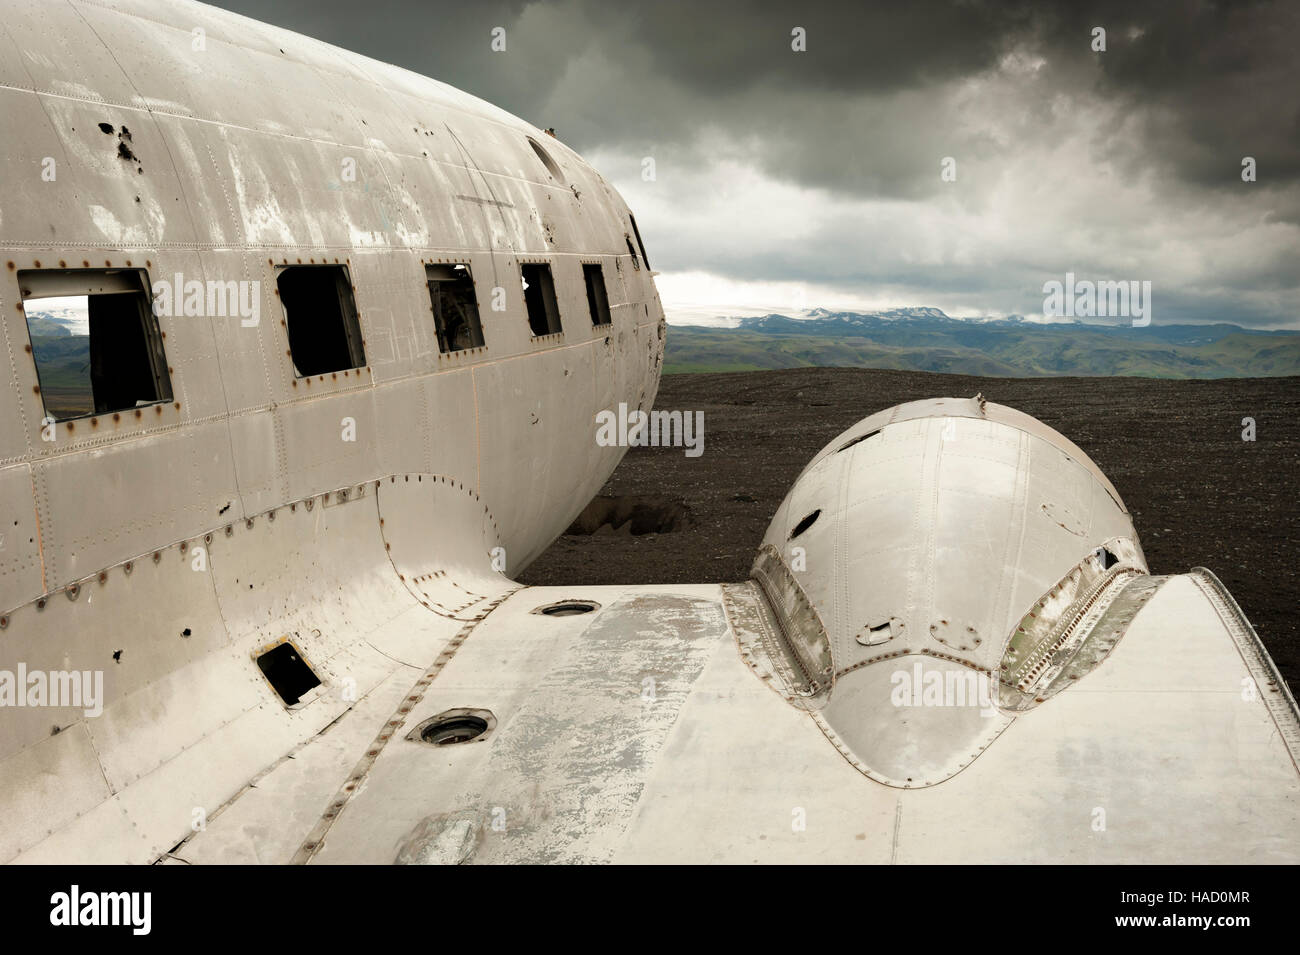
{"points": [[789, 179]]}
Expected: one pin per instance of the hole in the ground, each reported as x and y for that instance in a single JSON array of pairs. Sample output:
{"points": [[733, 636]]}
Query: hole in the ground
{"points": [[287, 672], [636, 515], [806, 523]]}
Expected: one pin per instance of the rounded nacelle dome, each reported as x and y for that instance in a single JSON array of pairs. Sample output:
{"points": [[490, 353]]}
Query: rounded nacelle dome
{"points": [[936, 569]]}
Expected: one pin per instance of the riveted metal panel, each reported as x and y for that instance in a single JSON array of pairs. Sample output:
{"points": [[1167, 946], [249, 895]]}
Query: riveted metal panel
{"points": [[443, 542], [227, 154], [160, 489], [921, 536], [21, 565], [65, 631], [59, 781]]}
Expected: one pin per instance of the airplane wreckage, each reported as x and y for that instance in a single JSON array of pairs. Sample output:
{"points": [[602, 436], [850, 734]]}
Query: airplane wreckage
{"points": [[306, 353]]}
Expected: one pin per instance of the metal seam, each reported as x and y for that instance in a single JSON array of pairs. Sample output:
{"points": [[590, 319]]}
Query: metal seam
{"points": [[316, 838]]}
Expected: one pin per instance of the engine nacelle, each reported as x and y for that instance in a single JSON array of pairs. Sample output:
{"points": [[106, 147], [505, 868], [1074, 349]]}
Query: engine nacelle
{"points": [[935, 570]]}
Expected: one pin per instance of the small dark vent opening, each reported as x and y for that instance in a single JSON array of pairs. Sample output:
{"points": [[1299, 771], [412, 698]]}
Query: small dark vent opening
{"points": [[454, 729], [637, 232], [848, 444], [806, 523], [287, 672], [1108, 560], [567, 608], [548, 161]]}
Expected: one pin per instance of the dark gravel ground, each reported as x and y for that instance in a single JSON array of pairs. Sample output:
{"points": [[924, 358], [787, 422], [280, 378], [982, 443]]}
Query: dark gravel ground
{"points": [[1198, 493]]}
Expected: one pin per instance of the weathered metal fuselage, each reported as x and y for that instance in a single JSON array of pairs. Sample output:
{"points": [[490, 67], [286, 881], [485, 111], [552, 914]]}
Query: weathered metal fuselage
{"points": [[202, 147]]}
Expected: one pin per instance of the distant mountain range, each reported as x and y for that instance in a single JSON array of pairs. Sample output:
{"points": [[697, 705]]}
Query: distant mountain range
{"points": [[904, 339], [61, 348], [57, 316], [925, 339]]}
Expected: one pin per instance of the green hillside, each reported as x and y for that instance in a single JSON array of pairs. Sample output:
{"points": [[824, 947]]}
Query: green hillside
{"points": [[992, 349]]}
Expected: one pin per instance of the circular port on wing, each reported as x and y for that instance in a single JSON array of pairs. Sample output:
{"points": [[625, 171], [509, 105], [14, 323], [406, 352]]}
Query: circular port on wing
{"points": [[568, 608], [454, 726], [460, 729]]}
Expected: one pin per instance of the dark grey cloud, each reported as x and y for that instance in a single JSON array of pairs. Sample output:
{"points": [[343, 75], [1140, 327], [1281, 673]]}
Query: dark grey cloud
{"points": [[1134, 154], [1215, 80]]}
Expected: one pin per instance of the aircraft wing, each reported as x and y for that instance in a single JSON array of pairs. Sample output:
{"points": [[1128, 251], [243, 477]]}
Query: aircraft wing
{"points": [[637, 733]]}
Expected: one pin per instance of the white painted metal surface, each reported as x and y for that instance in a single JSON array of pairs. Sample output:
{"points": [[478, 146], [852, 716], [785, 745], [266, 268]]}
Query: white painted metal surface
{"points": [[922, 537], [240, 145], [711, 766]]}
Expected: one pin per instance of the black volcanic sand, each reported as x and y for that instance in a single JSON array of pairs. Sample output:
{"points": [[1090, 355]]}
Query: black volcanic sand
{"points": [[1199, 495]]}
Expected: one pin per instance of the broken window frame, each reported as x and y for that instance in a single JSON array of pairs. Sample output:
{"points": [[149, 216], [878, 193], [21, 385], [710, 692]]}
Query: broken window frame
{"points": [[347, 315], [550, 303], [91, 284], [593, 277], [437, 275], [547, 160], [637, 232]]}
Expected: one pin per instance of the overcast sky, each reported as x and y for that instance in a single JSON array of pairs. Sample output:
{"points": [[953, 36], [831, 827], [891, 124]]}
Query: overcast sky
{"points": [[788, 180]]}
